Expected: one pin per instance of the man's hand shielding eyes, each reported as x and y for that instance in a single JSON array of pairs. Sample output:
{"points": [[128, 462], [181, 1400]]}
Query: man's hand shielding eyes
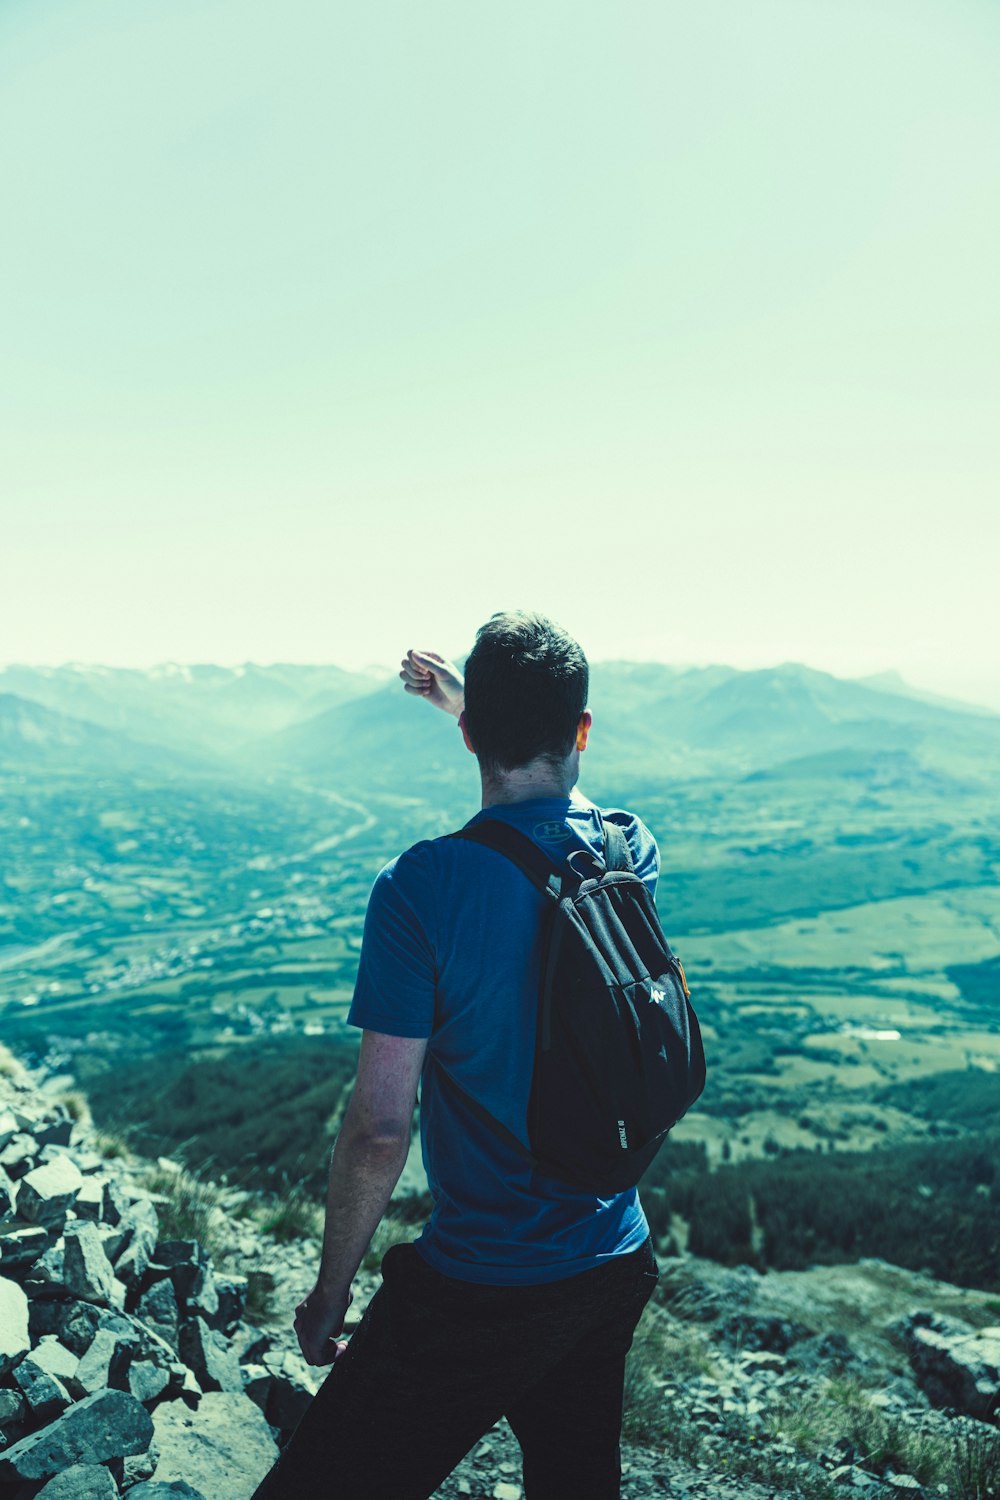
{"points": [[428, 675]]}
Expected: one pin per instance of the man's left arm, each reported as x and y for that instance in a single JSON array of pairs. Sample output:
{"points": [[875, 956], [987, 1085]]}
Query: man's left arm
{"points": [[368, 1157]]}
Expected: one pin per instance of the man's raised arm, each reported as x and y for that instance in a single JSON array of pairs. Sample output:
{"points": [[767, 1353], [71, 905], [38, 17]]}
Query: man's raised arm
{"points": [[430, 676]]}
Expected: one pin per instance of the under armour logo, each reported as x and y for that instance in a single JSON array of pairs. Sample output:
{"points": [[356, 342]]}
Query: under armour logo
{"points": [[552, 832]]}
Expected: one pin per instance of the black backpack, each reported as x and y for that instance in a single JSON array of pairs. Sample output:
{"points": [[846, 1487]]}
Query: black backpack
{"points": [[618, 1050]]}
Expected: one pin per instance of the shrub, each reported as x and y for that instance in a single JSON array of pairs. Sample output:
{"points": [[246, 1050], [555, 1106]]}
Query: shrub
{"points": [[267, 1111]]}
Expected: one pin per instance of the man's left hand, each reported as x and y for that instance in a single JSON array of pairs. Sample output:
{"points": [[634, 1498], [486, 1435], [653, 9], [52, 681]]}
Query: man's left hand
{"points": [[319, 1317]]}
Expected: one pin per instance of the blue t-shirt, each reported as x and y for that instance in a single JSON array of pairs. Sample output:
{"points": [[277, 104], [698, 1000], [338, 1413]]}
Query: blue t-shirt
{"points": [[452, 952]]}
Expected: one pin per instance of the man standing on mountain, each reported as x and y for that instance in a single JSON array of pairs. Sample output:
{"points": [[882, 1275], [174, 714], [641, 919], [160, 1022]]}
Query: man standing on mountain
{"points": [[522, 1293]]}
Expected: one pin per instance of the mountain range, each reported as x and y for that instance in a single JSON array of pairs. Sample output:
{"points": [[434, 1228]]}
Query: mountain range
{"points": [[190, 707], [350, 729]]}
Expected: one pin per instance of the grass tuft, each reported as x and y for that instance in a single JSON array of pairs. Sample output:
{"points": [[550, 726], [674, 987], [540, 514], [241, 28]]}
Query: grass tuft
{"points": [[662, 1348], [191, 1208], [111, 1145], [296, 1216], [786, 1444], [75, 1105], [975, 1461]]}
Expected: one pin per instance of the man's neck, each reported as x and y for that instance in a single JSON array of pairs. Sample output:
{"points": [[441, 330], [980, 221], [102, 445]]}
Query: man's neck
{"points": [[527, 783]]}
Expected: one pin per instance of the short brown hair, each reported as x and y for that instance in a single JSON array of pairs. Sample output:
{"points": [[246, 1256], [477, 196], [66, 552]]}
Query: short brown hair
{"points": [[526, 684]]}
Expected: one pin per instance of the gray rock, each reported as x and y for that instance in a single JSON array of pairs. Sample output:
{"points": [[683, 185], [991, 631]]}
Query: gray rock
{"points": [[54, 1132], [21, 1244], [7, 1194], [186, 1262], [137, 1467], [147, 1381], [113, 1238], [205, 1302], [250, 1344], [232, 1295], [46, 1279], [142, 1227], [210, 1357], [81, 1482], [756, 1332], [53, 1357], [257, 1382], [850, 1474], [79, 1323], [99, 1428], [8, 1127], [89, 1162], [14, 1340], [18, 1156], [149, 1343], [13, 1408], [292, 1389], [759, 1361], [87, 1272], [90, 1199], [106, 1362], [184, 1383], [143, 1215], [46, 1194], [222, 1450], [72, 1322], [955, 1365], [116, 1202], [158, 1308], [174, 1490], [46, 1396]]}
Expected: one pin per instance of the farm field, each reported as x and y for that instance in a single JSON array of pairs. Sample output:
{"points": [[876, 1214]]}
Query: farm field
{"points": [[194, 932], [244, 920]]}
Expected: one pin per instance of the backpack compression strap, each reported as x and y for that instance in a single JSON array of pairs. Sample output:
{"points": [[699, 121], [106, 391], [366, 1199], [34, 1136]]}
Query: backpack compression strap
{"points": [[617, 854]]}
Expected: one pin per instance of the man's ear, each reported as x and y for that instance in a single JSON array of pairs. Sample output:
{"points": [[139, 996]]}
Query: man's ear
{"points": [[583, 729], [465, 733]]}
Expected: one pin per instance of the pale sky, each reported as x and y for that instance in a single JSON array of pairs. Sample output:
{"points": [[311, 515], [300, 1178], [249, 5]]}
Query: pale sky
{"points": [[328, 330]]}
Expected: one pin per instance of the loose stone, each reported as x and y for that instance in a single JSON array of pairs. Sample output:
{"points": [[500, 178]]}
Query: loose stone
{"points": [[96, 1429], [46, 1194]]}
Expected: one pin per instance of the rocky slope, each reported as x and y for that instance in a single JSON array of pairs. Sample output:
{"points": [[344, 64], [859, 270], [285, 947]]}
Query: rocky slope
{"points": [[137, 1355]]}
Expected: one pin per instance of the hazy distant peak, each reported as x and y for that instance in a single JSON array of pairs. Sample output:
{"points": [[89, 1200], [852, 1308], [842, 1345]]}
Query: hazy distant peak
{"points": [[798, 669], [85, 669], [892, 681], [169, 669]]}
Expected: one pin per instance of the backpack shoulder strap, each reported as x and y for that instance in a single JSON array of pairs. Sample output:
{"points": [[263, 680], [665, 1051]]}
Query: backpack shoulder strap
{"points": [[518, 848], [617, 854], [483, 1114]]}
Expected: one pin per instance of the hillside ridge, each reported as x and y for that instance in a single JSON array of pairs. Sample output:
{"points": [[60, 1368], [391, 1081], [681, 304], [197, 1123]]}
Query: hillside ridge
{"points": [[123, 1334]]}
